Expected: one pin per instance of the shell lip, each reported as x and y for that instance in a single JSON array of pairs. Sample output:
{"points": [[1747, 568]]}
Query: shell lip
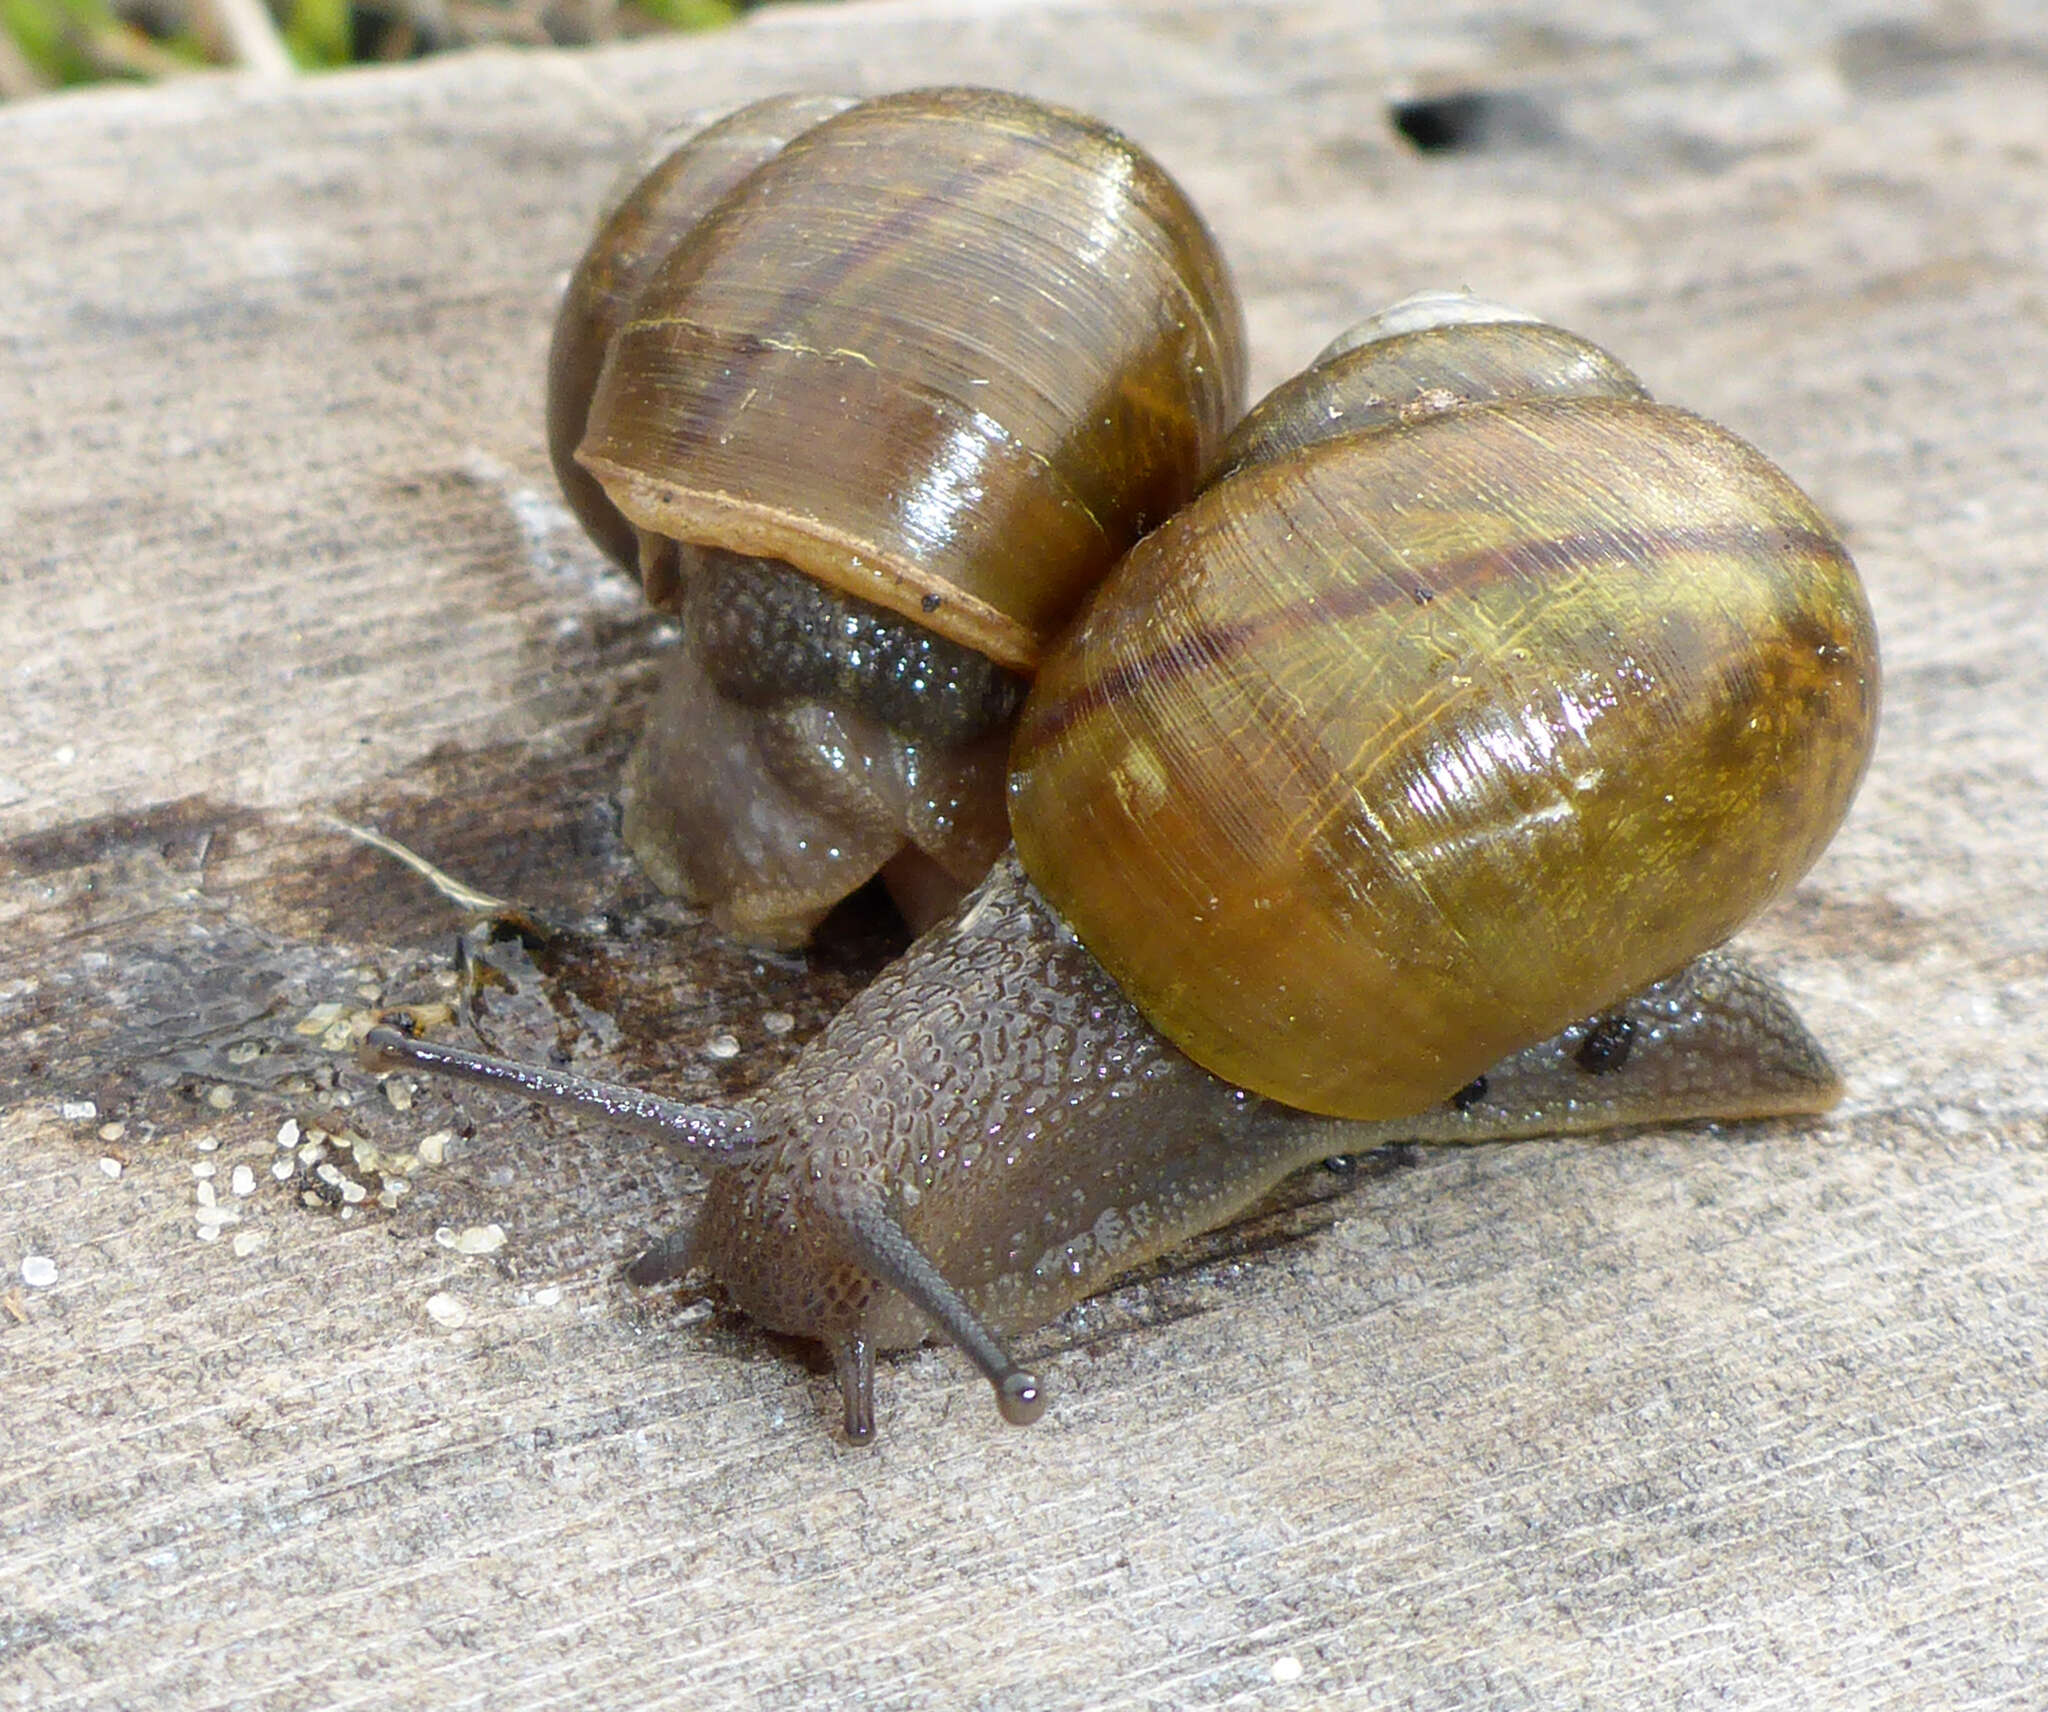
{"points": [[835, 557]]}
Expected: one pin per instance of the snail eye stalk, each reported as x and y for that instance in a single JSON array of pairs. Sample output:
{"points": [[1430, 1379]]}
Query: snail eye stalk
{"points": [[723, 1132]]}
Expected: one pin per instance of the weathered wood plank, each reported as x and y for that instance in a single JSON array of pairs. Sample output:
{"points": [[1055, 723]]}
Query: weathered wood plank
{"points": [[1751, 1416]]}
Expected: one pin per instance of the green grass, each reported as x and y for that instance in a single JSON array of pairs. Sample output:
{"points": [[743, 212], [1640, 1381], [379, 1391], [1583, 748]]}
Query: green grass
{"points": [[83, 41], [318, 33], [691, 14]]}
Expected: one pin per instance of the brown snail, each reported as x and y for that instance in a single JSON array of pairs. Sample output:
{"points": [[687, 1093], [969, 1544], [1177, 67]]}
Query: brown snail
{"points": [[1398, 787], [872, 394]]}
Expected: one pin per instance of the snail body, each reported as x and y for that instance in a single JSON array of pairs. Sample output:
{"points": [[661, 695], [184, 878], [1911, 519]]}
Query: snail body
{"points": [[898, 381], [1356, 806], [1034, 1136]]}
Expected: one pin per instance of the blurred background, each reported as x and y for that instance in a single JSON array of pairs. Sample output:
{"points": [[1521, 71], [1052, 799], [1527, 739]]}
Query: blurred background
{"points": [[50, 44]]}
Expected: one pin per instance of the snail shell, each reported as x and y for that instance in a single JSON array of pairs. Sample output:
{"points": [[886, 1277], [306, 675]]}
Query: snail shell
{"points": [[1430, 353], [1567, 688], [1445, 747], [667, 193], [951, 345], [946, 354]]}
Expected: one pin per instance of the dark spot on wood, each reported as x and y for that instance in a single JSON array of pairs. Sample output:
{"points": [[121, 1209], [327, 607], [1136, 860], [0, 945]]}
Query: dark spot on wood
{"points": [[178, 833], [183, 945], [1905, 58], [1465, 120]]}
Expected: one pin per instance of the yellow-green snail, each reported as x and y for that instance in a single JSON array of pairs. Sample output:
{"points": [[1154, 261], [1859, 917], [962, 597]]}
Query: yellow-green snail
{"points": [[1399, 787], [872, 394]]}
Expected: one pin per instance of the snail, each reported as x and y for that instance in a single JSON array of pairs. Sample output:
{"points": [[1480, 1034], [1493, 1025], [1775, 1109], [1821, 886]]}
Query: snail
{"points": [[871, 394], [1399, 787]]}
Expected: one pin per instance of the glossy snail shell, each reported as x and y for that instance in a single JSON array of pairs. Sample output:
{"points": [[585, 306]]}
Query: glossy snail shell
{"points": [[1400, 750], [1416, 359], [949, 351], [676, 183], [870, 394]]}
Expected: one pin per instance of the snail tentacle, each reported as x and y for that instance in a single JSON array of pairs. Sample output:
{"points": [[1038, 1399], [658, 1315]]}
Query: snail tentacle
{"points": [[853, 1363], [725, 1132], [885, 1250]]}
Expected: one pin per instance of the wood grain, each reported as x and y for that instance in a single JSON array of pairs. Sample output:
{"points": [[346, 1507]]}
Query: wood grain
{"points": [[1750, 1417]]}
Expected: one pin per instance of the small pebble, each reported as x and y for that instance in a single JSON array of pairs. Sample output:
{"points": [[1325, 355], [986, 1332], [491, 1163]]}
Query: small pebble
{"points": [[220, 1096], [547, 1296], [243, 1181], [113, 1131], [399, 1094], [79, 1111], [444, 1310], [479, 1239], [434, 1148], [110, 1167], [245, 1052], [1287, 1668], [722, 1046], [282, 1170], [777, 1023], [247, 1243], [206, 1143], [318, 1020], [288, 1133], [203, 1169], [203, 1192], [38, 1271]]}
